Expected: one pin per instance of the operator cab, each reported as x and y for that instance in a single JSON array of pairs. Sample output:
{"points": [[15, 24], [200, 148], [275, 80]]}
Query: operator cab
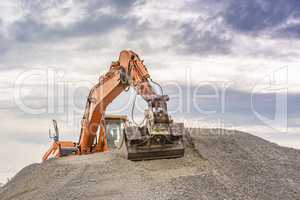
{"points": [[114, 129]]}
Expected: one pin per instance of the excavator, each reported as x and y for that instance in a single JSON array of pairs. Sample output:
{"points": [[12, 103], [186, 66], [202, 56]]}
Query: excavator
{"points": [[157, 137]]}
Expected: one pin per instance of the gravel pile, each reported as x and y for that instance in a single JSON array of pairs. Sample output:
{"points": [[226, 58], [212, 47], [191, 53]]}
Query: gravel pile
{"points": [[218, 164]]}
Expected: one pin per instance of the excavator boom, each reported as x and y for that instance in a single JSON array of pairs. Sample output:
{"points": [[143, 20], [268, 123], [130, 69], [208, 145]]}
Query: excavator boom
{"points": [[157, 138]]}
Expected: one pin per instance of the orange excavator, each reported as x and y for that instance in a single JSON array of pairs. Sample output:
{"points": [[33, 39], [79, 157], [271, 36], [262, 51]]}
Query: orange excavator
{"points": [[157, 137]]}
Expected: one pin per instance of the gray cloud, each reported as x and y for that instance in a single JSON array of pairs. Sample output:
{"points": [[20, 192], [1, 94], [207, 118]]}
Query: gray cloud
{"points": [[4, 42], [291, 31], [205, 40], [31, 27], [254, 16], [246, 17], [122, 6], [31, 30], [203, 36], [4, 45]]}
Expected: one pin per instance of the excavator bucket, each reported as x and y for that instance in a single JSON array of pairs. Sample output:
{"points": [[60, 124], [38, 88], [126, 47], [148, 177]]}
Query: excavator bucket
{"points": [[158, 138], [138, 144]]}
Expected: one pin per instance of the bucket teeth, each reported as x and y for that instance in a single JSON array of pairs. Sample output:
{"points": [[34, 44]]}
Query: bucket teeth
{"points": [[150, 153], [138, 146]]}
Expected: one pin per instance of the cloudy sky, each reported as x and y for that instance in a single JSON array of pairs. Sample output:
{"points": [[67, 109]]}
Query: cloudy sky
{"points": [[230, 64]]}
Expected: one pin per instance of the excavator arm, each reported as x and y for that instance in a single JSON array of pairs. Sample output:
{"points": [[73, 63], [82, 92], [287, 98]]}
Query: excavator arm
{"points": [[128, 71]]}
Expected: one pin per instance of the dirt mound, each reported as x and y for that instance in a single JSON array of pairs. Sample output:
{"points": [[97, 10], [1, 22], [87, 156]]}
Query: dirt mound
{"points": [[217, 165]]}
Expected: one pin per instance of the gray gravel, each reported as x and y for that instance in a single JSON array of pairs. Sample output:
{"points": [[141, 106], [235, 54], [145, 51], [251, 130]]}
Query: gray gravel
{"points": [[218, 165]]}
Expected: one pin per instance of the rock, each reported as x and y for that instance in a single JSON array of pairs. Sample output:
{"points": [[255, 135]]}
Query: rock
{"points": [[226, 165]]}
